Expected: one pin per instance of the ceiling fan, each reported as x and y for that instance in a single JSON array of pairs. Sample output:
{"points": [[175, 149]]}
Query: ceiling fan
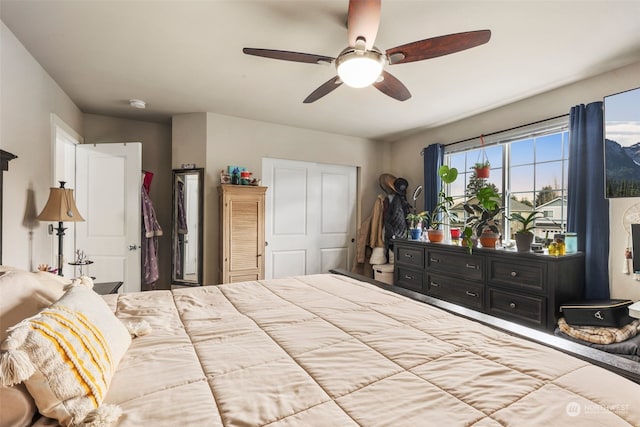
{"points": [[361, 64]]}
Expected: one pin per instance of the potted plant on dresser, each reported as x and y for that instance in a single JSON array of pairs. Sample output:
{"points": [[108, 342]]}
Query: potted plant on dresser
{"points": [[524, 236], [415, 224], [441, 210], [484, 218]]}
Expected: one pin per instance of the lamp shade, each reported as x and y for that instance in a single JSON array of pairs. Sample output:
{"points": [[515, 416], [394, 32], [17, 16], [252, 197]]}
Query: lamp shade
{"points": [[61, 206]]}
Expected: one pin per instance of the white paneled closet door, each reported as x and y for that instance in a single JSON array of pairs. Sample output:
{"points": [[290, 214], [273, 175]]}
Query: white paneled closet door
{"points": [[310, 217]]}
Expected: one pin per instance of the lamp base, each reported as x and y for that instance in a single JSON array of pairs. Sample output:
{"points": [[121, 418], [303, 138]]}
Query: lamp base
{"points": [[60, 234]]}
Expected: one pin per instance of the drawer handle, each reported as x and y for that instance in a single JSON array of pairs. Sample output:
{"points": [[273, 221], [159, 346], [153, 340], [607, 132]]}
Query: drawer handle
{"points": [[434, 284], [407, 277], [514, 273], [512, 305], [472, 294], [475, 267], [435, 260], [406, 255]]}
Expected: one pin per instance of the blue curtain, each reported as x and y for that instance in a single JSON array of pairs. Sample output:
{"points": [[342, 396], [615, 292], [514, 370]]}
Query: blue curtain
{"points": [[433, 158], [588, 209]]}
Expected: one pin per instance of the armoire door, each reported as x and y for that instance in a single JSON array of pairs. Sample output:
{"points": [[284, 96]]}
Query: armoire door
{"points": [[241, 233]]}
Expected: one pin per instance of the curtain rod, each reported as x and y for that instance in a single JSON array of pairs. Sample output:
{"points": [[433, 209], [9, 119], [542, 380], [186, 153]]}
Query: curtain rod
{"points": [[506, 130]]}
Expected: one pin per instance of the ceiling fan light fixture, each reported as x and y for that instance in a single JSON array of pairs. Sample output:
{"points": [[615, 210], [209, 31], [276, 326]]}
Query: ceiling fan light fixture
{"points": [[359, 68]]}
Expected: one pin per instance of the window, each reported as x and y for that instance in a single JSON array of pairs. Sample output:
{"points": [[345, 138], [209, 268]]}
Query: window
{"points": [[528, 167]]}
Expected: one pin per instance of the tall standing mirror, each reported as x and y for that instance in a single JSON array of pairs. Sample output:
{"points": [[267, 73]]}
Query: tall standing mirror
{"points": [[186, 252]]}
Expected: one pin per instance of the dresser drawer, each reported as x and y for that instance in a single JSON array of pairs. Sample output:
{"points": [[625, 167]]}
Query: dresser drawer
{"points": [[410, 256], [461, 265], [522, 275], [521, 308], [409, 278], [458, 291]]}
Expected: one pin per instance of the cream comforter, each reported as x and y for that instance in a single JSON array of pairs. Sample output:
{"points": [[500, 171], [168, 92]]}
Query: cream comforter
{"points": [[327, 350]]}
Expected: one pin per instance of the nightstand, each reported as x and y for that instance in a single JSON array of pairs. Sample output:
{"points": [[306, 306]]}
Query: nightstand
{"points": [[107, 287]]}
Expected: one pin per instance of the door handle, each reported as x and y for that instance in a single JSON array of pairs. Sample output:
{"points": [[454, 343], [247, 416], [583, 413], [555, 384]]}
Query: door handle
{"points": [[134, 247]]}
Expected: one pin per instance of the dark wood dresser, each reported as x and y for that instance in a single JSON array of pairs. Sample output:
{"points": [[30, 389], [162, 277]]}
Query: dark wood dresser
{"points": [[525, 288]]}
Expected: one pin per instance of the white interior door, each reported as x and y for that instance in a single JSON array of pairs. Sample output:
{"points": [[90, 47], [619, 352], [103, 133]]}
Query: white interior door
{"points": [[108, 185], [310, 217]]}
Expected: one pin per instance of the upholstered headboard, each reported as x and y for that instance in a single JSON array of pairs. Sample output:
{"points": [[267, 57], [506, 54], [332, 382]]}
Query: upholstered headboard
{"points": [[5, 158]]}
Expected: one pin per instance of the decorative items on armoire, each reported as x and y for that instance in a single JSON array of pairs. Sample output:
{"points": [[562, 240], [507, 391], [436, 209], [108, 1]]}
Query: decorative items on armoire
{"points": [[238, 175]]}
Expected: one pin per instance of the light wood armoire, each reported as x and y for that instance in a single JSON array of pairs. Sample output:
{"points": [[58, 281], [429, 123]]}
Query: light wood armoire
{"points": [[241, 232]]}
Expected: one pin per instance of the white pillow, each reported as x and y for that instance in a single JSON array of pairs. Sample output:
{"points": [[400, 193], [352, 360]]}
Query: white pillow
{"points": [[23, 294], [66, 355]]}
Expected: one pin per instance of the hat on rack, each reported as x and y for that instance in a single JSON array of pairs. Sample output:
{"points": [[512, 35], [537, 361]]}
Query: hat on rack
{"points": [[386, 183], [400, 185]]}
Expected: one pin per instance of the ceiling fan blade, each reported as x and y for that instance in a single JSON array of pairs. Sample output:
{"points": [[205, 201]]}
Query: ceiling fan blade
{"points": [[393, 87], [363, 21], [324, 89], [437, 46], [288, 56]]}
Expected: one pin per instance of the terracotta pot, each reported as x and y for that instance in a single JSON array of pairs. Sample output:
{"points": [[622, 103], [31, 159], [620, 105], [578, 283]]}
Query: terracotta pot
{"points": [[435, 236], [483, 172], [488, 239], [523, 241]]}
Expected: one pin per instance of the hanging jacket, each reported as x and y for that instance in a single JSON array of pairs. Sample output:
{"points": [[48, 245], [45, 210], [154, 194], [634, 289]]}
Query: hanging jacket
{"points": [[395, 220], [150, 231]]}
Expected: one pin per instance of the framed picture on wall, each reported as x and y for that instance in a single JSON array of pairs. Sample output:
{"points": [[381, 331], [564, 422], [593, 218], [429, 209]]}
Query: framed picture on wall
{"points": [[622, 144]]}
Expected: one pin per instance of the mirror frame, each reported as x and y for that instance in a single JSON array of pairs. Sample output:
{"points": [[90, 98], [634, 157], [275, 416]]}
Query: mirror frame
{"points": [[174, 224]]}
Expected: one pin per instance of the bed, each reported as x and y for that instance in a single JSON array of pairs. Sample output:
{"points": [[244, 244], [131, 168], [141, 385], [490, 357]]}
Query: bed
{"points": [[330, 350]]}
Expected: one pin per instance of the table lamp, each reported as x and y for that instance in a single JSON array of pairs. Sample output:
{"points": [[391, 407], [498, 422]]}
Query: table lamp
{"points": [[60, 207]]}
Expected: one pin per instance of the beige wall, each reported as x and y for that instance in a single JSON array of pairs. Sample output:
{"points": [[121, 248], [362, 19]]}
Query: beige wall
{"points": [[232, 140], [156, 158], [406, 159], [29, 97], [189, 136]]}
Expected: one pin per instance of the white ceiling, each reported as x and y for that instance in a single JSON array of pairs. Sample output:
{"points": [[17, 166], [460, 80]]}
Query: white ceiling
{"points": [[186, 56]]}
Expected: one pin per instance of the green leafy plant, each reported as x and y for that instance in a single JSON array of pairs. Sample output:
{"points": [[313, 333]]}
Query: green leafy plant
{"points": [[481, 165], [441, 211], [416, 218], [483, 215], [527, 222]]}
